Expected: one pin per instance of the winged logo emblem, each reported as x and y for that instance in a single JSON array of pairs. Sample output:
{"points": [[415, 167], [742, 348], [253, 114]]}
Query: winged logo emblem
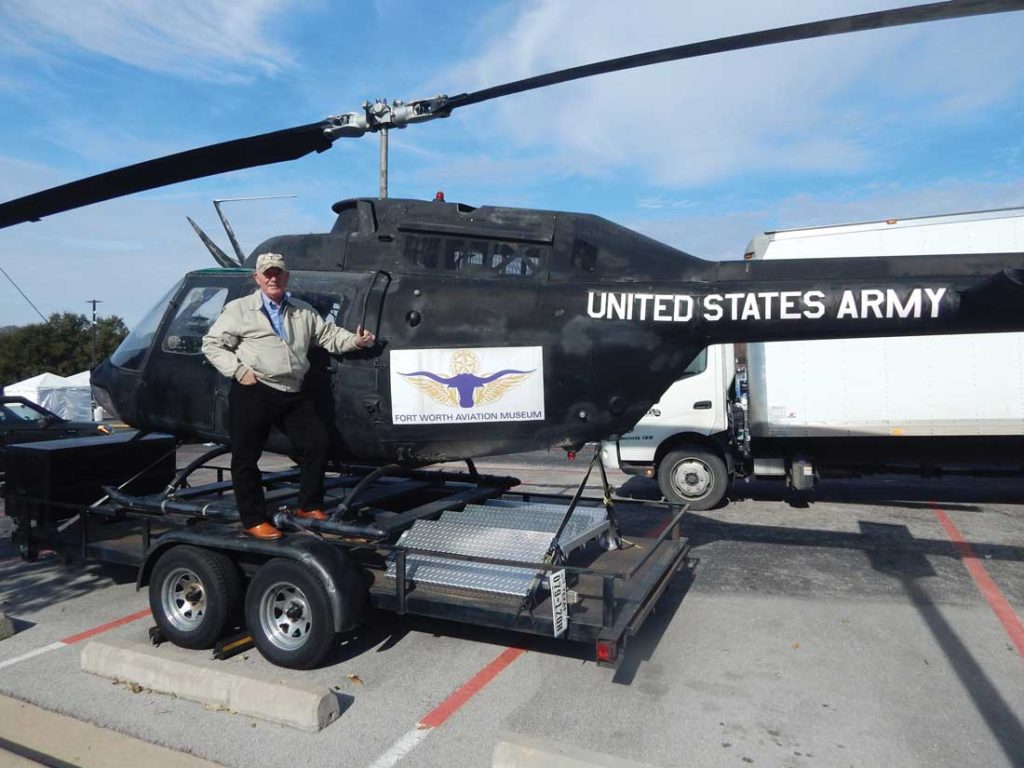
{"points": [[465, 388]]}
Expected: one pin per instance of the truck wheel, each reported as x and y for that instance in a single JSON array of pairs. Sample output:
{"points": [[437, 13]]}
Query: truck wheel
{"points": [[694, 476], [195, 595], [289, 615]]}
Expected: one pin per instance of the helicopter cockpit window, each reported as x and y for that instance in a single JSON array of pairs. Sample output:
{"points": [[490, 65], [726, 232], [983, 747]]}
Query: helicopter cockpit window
{"points": [[132, 351], [422, 250], [196, 314], [476, 258]]}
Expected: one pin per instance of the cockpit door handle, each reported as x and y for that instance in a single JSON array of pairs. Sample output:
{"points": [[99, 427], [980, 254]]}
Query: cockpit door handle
{"points": [[702, 405]]}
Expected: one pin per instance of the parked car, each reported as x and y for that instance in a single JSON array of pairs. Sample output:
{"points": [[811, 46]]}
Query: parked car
{"points": [[22, 421]]}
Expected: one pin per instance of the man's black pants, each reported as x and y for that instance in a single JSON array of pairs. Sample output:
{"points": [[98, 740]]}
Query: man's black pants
{"points": [[254, 409]]}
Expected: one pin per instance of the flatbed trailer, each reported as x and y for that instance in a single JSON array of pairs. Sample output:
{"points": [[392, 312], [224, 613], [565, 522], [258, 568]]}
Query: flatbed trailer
{"points": [[459, 546]]}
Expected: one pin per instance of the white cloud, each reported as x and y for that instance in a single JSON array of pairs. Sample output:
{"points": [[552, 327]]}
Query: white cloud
{"points": [[207, 39], [815, 106]]}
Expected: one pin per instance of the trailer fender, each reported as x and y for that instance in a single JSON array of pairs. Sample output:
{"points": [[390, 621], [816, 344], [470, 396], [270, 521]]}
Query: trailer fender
{"points": [[342, 579]]}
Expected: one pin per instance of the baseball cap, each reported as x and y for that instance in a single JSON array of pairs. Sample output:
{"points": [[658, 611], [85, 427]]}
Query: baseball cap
{"points": [[267, 261]]}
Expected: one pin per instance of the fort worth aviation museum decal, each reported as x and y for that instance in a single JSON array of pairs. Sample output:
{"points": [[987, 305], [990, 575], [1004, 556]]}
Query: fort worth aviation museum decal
{"points": [[453, 386]]}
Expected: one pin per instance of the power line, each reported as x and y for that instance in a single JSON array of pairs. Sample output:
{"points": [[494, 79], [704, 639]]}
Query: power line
{"points": [[23, 294]]}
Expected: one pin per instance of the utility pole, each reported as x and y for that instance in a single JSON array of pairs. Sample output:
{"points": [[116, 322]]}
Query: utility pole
{"points": [[94, 302]]}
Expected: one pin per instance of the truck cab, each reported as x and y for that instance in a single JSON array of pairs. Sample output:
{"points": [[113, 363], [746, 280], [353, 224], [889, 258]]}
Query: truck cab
{"points": [[843, 407], [683, 440]]}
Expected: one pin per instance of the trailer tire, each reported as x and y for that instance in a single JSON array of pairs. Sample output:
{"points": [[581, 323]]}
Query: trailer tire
{"points": [[288, 613], [694, 476], [195, 596]]}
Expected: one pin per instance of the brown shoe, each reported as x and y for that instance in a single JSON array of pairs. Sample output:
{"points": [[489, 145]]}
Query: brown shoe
{"points": [[313, 514], [264, 531]]}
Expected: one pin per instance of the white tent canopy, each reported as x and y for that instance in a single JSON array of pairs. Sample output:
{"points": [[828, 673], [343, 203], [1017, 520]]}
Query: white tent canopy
{"points": [[64, 397], [81, 379]]}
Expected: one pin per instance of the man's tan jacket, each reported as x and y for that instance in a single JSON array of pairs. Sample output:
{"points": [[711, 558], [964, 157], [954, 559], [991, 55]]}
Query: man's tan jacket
{"points": [[243, 339]]}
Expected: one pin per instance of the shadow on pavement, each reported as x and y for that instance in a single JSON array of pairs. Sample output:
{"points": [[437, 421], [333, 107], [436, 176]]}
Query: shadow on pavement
{"points": [[702, 530], [954, 493], [641, 648], [29, 587], [889, 556]]}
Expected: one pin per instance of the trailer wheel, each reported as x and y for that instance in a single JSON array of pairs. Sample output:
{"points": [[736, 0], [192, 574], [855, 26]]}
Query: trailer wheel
{"points": [[195, 595], [289, 615], [694, 476]]}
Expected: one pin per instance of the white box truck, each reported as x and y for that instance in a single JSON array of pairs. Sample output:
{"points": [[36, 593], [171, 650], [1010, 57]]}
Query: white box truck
{"points": [[927, 404]]}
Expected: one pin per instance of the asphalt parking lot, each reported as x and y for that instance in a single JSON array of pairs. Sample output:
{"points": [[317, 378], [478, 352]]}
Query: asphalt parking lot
{"points": [[876, 623]]}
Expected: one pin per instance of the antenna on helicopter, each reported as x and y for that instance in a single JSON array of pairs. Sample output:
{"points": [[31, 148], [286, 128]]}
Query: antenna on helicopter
{"points": [[218, 254], [227, 226]]}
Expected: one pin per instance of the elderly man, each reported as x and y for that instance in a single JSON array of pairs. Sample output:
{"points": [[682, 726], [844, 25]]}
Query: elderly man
{"points": [[260, 342]]}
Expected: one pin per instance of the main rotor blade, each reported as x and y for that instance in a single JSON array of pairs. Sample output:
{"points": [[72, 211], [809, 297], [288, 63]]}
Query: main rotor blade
{"points": [[953, 9], [288, 144], [293, 143]]}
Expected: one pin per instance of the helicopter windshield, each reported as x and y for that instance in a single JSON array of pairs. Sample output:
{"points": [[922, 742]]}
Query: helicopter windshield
{"points": [[195, 315], [132, 351]]}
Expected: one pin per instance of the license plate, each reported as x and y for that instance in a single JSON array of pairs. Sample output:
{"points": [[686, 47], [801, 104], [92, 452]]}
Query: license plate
{"points": [[559, 604]]}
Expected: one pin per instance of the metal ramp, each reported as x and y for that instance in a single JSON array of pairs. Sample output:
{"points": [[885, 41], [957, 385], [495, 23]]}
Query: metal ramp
{"points": [[506, 530]]}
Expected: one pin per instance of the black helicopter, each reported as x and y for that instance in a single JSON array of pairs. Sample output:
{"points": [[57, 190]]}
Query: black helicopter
{"points": [[503, 330]]}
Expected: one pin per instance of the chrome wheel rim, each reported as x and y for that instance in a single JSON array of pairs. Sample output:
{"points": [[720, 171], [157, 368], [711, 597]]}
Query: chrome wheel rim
{"points": [[183, 599], [285, 617], [692, 478]]}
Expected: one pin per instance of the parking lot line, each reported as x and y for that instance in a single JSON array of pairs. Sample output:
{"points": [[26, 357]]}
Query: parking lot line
{"points": [[1002, 608], [31, 654], [439, 714], [72, 639]]}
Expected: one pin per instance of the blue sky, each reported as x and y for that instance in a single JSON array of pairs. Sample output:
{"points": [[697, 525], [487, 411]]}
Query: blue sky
{"points": [[700, 154]]}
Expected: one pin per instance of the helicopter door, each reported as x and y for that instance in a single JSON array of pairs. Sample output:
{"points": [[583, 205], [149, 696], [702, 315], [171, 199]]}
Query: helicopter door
{"points": [[177, 380], [373, 302]]}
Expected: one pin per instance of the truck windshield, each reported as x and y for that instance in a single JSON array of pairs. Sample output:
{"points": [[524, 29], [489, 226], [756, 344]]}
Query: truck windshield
{"points": [[133, 349], [699, 364], [15, 413]]}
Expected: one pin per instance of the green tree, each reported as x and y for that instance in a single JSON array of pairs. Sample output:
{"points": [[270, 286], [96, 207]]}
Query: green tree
{"points": [[63, 345]]}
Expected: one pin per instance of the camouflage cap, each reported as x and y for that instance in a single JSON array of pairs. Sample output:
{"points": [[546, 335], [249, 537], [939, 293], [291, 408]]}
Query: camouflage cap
{"points": [[267, 261]]}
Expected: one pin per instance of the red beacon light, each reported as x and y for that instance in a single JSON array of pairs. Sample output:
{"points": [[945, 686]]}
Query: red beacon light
{"points": [[570, 455], [439, 197]]}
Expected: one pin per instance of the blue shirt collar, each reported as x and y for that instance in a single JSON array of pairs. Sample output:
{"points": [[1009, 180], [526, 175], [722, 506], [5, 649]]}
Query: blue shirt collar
{"points": [[269, 303]]}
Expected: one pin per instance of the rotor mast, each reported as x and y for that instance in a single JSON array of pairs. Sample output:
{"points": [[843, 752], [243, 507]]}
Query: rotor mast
{"points": [[383, 163], [381, 116]]}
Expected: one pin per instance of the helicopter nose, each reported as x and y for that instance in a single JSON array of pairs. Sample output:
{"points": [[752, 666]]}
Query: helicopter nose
{"points": [[102, 380]]}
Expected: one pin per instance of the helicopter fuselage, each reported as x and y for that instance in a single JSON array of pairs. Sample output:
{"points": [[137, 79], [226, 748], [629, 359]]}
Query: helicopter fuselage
{"points": [[503, 330]]}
